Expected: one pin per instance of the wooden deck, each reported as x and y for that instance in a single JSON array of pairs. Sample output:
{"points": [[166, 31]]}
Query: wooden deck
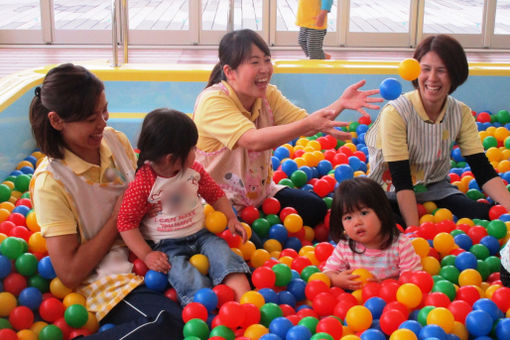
{"points": [[447, 16]]}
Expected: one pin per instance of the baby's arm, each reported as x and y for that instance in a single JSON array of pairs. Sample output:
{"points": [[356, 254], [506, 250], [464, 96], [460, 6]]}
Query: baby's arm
{"points": [[223, 204], [154, 260]]}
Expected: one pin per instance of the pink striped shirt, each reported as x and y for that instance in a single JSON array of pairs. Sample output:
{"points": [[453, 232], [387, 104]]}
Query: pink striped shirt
{"points": [[388, 263]]}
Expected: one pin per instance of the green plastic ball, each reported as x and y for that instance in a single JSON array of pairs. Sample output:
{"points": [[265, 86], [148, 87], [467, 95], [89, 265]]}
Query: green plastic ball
{"points": [[446, 287], [353, 126], [5, 192], [76, 315], [268, 312], [308, 271], [328, 200], [321, 336], [26, 264], [39, 282], [489, 142], [494, 263], [456, 232], [4, 323], [420, 188], [51, 332], [283, 274], [497, 228], [22, 182], [309, 322], [11, 247], [273, 219], [480, 251], [196, 327], [222, 331], [483, 269], [503, 116], [448, 260], [299, 178], [474, 194], [287, 182], [451, 273], [423, 313], [261, 227]]}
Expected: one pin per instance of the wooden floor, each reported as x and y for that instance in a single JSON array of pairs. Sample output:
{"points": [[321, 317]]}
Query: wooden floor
{"points": [[17, 59]]}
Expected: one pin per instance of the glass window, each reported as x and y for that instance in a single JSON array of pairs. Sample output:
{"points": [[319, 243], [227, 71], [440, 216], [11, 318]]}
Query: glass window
{"points": [[20, 15], [248, 14], [83, 15], [502, 25], [453, 16], [159, 15], [389, 16]]}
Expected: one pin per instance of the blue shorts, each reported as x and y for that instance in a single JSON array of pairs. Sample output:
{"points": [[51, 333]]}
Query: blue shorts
{"points": [[184, 277]]}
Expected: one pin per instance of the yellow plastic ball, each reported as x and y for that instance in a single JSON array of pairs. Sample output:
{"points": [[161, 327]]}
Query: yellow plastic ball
{"points": [[470, 277], [364, 275], [37, 243], [491, 130], [442, 317], [501, 133], [358, 318], [31, 222], [358, 294], [208, 209], [315, 145], [58, 289], [247, 249], [275, 254], [24, 163], [351, 146], [491, 289], [16, 194], [427, 218], [465, 220], [443, 214], [4, 214], [7, 303], [286, 260], [237, 251], [503, 166], [259, 257], [92, 324], [255, 331], [10, 184], [216, 222], [403, 334], [7, 205], [201, 262], [293, 223], [37, 154], [462, 186], [305, 250], [309, 233], [300, 161], [247, 227], [2, 237], [318, 155], [310, 159], [443, 242], [409, 295], [460, 330], [429, 206], [26, 334], [253, 297], [431, 265], [37, 326], [320, 276], [302, 141], [312, 257], [74, 299], [409, 69], [421, 246], [272, 245]]}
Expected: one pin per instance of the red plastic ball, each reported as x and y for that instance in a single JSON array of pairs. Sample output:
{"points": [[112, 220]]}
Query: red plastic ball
{"points": [[224, 294], [194, 310], [365, 120], [249, 214], [346, 150], [330, 325], [388, 291], [321, 188], [288, 252], [421, 209], [14, 283], [232, 314], [476, 233], [51, 309], [171, 293], [496, 211], [6, 226], [287, 309], [300, 262], [303, 313], [278, 175], [469, 294], [233, 241], [21, 317], [427, 230], [287, 211], [79, 332], [331, 180], [251, 314], [483, 117], [263, 277], [324, 303], [460, 309], [24, 201], [501, 298], [494, 277], [8, 334], [139, 267], [21, 232], [315, 287], [271, 206], [342, 307], [340, 158], [64, 327], [292, 318], [330, 155], [323, 250], [370, 289], [17, 219], [395, 305], [423, 280], [445, 226], [437, 299], [390, 320]]}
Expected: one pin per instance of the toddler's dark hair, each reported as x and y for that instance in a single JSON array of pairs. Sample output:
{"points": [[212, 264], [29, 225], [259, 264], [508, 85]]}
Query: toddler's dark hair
{"points": [[166, 131], [355, 194]]}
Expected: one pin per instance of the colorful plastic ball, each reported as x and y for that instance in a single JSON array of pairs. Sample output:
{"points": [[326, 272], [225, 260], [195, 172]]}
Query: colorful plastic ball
{"points": [[37, 243], [358, 318], [432, 332], [58, 289], [5, 192], [488, 306], [11, 247], [51, 309], [5, 266], [409, 294], [451, 273], [14, 283], [156, 281], [26, 264], [253, 297], [30, 297], [45, 268], [249, 214], [442, 317], [206, 297], [298, 332], [497, 229], [200, 262], [503, 329], [343, 172], [263, 277], [390, 320], [443, 242], [330, 325], [479, 323], [409, 69], [403, 334], [196, 327], [390, 88], [76, 316], [21, 317], [463, 241], [255, 331], [268, 312], [271, 206], [465, 260], [216, 222], [51, 332]]}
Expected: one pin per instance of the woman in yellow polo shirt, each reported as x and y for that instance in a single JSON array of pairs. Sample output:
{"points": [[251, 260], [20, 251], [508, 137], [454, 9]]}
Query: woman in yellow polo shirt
{"points": [[411, 141], [241, 117], [76, 192]]}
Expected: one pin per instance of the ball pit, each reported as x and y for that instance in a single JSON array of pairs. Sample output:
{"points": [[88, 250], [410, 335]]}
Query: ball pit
{"points": [[457, 295]]}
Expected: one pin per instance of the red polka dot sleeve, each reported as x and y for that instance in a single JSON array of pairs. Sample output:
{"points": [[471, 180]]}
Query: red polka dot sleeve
{"points": [[134, 203], [207, 187]]}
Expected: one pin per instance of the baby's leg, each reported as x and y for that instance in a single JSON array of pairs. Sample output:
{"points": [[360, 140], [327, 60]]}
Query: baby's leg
{"points": [[315, 41], [239, 284], [302, 39]]}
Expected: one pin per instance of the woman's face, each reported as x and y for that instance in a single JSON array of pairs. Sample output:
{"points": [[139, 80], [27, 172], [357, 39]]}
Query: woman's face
{"points": [[434, 80], [252, 76]]}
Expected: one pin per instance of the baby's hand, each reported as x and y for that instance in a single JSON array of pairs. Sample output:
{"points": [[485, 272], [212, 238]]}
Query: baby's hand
{"points": [[346, 280], [157, 261], [236, 228]]}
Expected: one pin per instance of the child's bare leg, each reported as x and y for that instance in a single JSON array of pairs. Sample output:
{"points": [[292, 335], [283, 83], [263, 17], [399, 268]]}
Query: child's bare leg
{"points": [[239, 283]]}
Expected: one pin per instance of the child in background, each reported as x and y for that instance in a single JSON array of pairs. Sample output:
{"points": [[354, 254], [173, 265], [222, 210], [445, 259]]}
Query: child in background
{"points": [[505, 265], [362, 223], [312, 18], [163, 205]]}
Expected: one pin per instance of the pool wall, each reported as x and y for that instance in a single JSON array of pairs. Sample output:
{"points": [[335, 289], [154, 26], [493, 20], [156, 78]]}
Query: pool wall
{"points": [[134, 90]]}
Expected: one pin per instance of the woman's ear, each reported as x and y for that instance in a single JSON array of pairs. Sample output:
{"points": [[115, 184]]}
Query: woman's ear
{"points": [[56, 122], [228, 72]]}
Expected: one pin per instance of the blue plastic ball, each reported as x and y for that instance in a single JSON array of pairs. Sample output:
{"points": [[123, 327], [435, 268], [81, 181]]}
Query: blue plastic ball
{"points": [[390, 88], [21, 209], [375, 305], [412, 325], [463, 241], [297, 288], [457, 155], [155, 280], [269, 295], [298, 332], [45, 268], [308, 171], [466, 260], [270, 336], [105, 327], [30, 297], [478, 322], [491, 243], [372, 334], [289, 166], [489, 306], [503, 329], [324, 167], [354, 163], [27, 170], [275, 162], [278, 232], [5, 266], [281, 152], [280, 326], [294, 243], [286, 297], [343, 172], [432, 331], [207, 297]]}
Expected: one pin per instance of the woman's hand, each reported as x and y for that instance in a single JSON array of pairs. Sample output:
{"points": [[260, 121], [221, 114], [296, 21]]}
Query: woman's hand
{"points": [[354, 99], [345, 280], [157, 261], [324, 121]]}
